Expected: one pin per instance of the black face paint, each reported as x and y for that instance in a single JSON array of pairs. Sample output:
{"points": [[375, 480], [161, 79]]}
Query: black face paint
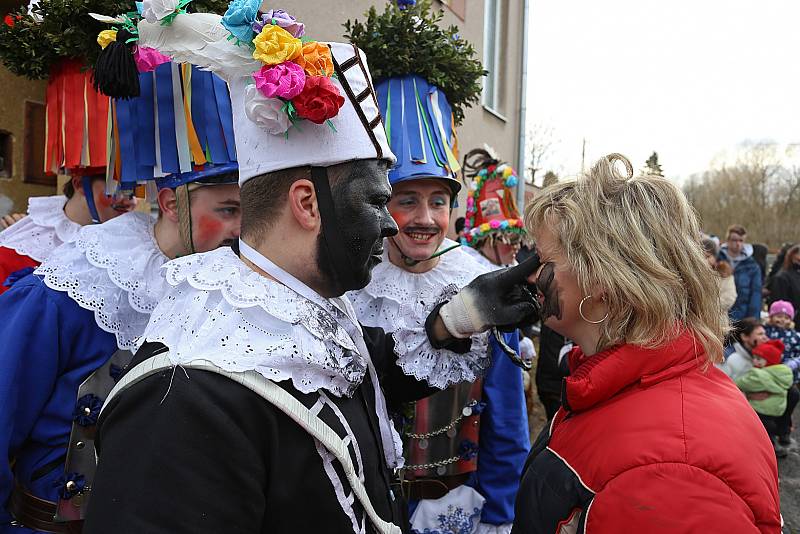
{"points": [[351, 242], [548, 286]]}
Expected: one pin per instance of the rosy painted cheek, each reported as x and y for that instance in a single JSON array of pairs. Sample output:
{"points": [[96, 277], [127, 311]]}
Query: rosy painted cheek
{"points": [[402, 218], [104, 201], [209, 228]]}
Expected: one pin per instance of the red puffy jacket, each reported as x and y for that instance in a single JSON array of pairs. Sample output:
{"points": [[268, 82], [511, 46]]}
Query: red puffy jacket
{"points": [[650, 440]]}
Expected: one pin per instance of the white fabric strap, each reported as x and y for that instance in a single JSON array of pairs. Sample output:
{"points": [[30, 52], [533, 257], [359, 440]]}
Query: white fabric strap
{"points": [[392, 445], [282, 400]]}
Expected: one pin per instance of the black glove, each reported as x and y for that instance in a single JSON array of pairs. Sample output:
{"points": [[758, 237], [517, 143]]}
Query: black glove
{"points": [[501, 298]]}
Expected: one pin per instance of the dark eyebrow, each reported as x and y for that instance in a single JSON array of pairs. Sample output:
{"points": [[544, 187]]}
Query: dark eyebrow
{"points": [[230, 202]]}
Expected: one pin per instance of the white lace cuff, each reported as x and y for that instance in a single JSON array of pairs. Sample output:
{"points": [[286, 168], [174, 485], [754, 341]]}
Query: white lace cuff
{"points": [[440, 368]]}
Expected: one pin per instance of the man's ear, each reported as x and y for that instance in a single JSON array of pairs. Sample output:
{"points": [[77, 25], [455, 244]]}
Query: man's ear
{"points": [[77, 184], [302, 200], [168, 204]]}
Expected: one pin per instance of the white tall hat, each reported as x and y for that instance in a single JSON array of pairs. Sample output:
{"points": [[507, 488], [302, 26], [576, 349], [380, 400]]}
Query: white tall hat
{"points": [[355, 133]]}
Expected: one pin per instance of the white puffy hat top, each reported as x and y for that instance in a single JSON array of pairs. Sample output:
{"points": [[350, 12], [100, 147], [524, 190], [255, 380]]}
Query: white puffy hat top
{"points": [[278, 123]]}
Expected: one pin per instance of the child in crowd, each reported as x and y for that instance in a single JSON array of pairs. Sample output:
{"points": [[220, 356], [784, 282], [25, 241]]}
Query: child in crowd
{"points": [[767, 385], [780, 326], [725, 281]]}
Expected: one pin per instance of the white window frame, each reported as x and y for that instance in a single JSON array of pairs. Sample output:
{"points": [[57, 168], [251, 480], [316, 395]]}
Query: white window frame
{"points": [[491, 55]]}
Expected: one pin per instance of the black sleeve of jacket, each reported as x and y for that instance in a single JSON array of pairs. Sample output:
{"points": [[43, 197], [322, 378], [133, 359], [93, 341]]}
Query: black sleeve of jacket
{"points": [[549, 492], [182, 452], [397, 386]]}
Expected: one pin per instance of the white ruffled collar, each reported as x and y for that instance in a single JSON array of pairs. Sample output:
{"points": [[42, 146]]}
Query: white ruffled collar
{"points": [[114, 270], [222, 311], [45, 228], [476, 255], [399, 302]]}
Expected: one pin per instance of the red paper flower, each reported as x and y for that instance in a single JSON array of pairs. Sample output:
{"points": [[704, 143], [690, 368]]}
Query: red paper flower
{"points": [[319, 101], [9, 21]]}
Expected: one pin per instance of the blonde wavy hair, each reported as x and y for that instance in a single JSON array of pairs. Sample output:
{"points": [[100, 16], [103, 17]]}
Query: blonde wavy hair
{"points": [[638, 239]]}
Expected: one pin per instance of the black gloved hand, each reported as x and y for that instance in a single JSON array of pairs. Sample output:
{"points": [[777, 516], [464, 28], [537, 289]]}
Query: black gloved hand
{"points": [[501, 298]]}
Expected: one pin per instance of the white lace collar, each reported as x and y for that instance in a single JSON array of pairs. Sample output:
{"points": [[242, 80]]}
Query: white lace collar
{"points": [[399, 302], [222, 311], [114, 270], [45, 228]]}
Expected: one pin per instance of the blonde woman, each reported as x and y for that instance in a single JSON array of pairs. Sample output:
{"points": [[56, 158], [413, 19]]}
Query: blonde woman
{"points": [[650, 436], [724, 271]]}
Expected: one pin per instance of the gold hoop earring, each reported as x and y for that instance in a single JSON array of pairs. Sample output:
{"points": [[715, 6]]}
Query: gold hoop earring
{"points": [[580, 311]]}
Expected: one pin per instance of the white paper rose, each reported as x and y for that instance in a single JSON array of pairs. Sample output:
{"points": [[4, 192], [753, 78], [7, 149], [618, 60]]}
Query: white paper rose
{"points": [[155, 10], [266, 112]]}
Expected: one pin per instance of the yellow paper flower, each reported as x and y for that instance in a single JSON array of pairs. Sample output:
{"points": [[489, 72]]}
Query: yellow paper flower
{"points": [[508, 171], [316, 60], [485, 227], [106, 37], [274, 45]]}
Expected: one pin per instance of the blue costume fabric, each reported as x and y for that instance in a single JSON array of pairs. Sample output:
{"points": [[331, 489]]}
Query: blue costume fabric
{"points": [[504, 436], [50, 346]]}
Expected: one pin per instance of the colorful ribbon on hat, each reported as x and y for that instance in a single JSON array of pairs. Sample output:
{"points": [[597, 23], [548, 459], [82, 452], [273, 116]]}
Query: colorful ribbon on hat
{"points": [[419, 126], [181, 122], [77, 116]]}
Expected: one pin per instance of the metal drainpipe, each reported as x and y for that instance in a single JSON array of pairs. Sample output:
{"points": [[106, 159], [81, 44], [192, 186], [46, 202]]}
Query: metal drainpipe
{"points": [[523, 110]]}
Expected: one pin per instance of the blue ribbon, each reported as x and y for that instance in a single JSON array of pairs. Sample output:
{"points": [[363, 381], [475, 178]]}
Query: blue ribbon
{"points": [[145, 135], [226, 116], [411, 121], [216, 140], [166, 119], [199, 107]]}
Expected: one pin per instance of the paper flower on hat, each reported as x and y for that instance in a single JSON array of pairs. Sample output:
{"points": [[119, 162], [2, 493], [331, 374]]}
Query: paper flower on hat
{"points": [[147, 59], [274, 45], [316, 60], [319, 101], [281, 18], [155, 10], [268, 113], [282, 81], [106, 37], [239, 18]]}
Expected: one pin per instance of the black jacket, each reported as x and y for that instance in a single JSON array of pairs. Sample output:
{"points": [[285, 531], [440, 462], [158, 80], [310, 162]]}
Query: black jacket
{"points": [[194, 452]]}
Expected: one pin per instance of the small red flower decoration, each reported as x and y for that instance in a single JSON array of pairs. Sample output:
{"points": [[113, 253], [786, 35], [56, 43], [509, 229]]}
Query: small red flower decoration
{"points": [[9, 21], [319, 101]]}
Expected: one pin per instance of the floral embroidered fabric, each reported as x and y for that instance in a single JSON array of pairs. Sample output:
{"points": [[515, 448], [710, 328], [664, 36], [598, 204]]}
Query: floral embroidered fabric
{"points": [[114, 270], [399, 302], [45, 228], [222, 311]]}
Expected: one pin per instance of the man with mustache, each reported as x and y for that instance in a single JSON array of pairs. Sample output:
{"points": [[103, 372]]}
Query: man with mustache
{"points": [[258, 390], [54, 220], [466, 445], [68, 327]]}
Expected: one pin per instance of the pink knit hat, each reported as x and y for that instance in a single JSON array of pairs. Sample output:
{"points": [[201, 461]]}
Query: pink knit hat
{"points": [[781, 306]]}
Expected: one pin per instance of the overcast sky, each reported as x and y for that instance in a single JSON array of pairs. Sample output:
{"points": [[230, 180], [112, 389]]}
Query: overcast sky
{"points": [[688, 79]]}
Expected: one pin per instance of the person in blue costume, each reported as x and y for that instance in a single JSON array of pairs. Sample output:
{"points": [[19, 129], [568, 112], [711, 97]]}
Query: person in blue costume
{"points": [[68, 323], [465, 446]]}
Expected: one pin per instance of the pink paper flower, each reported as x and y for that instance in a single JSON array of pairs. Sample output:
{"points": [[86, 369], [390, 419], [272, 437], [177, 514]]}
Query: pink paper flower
{"points": [[494, 224], [147, 59], [280, 81]]}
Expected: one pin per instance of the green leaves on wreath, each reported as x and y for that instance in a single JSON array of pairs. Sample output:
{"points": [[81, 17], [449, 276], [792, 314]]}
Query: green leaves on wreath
{"points": [[398, 42], [63, 29]]}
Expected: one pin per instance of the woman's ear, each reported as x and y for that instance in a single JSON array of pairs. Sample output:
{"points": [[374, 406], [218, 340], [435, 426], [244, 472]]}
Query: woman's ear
{"points": [[302, 200], [168, 204]]}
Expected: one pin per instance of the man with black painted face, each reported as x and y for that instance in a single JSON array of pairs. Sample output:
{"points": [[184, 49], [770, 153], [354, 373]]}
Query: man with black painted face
{"points": [[281, 396]]}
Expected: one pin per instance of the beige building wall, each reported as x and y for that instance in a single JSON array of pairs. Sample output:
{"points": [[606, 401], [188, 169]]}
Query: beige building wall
{"points": [[14, 192]]}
